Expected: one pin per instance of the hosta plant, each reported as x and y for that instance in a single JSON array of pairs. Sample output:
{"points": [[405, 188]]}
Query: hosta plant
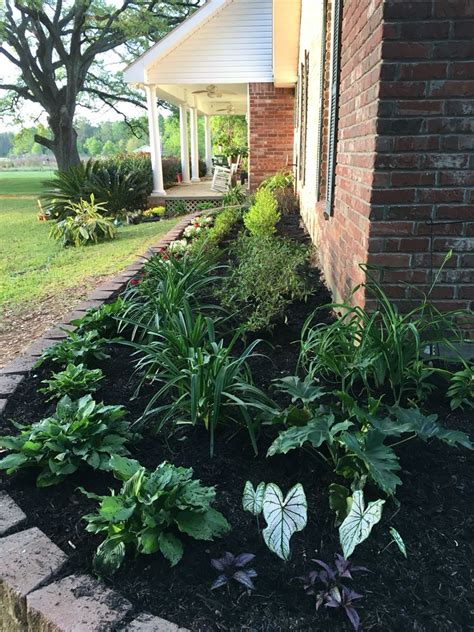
{"points": [[84, 226], [79, 434], [76, 348], [234, 568], [150, 512], [73, 381], [326, 585], [103, 320]]}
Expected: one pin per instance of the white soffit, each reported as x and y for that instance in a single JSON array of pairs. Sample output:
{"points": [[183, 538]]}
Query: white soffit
{"points": [[286, 38]]}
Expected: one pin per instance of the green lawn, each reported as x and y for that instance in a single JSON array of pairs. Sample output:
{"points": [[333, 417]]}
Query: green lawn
{"points": [[22, 182], [33, 267]]}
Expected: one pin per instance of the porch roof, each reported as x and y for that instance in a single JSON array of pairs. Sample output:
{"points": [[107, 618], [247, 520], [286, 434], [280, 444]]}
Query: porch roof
{"points": [[208, 60]]}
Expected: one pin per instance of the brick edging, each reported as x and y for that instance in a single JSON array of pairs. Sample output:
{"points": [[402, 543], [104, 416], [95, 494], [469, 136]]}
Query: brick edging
{"points": [[32, 598], [35, 597], [14, 372]]}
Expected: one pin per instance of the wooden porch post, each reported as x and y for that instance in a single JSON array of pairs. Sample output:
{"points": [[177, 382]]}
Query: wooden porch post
{"points": [[183, 130], [194, 146], [208, 144], [155, 141]]}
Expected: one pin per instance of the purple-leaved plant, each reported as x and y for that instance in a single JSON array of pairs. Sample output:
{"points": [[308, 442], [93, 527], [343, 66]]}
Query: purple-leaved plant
{"points": [[233, 567], [334, 594]]}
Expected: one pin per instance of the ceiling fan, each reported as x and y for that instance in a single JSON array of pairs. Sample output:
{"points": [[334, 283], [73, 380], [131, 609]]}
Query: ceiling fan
{"points": [[229, 109], [212, 91]]}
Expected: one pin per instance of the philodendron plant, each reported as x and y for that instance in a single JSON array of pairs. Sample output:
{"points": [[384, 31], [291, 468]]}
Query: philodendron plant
{"points": [[283, 516]]}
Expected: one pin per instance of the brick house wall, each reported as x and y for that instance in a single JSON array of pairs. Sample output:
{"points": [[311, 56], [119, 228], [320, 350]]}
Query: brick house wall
{"points": [[270, 130], [343, 238], [404, 151], [424, 164]]}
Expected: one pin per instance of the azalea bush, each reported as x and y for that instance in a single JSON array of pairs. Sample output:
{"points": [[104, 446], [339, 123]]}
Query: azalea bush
{"points": [[151, 512]]}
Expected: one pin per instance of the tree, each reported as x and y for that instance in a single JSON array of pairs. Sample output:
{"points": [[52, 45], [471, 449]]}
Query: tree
{"points": [[60, 48]]}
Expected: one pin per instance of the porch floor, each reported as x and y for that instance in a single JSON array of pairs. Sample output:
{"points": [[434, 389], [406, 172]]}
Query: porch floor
{"points": [[194, 190]]}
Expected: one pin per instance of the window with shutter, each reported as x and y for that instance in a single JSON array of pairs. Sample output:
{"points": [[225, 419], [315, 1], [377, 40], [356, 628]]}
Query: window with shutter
{"points": [[333, 99], [303, 117], [319, 129]]}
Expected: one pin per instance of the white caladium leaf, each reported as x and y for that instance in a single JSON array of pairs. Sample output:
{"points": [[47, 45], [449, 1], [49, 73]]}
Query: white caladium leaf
{"points": [[359, 522], [283, 517], [252, 499], [397, 538]]}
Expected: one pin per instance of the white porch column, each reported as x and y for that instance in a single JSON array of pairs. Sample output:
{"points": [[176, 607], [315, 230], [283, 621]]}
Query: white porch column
{"points": [[194, 146], [155, 141], [183, 131], [208, 144]]}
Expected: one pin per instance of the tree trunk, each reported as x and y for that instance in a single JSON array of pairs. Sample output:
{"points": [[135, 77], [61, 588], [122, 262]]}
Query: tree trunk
{"points": [[64, 141]]}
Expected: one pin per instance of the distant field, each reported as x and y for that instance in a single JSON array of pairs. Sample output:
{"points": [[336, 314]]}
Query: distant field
{"points": [[35, 272], [22, 182]]}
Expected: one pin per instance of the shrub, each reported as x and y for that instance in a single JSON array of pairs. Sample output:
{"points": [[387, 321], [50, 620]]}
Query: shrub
{"points": [[224, 222], [281, 180], [120, 184], [85, 226], [268, 276], [73, 381], [79, 433], [150, 512], [76, 348], [262, 217]]}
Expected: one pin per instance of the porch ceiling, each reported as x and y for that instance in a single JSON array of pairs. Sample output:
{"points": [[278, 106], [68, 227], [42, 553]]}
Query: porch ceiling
{"points": [[208, 98]]}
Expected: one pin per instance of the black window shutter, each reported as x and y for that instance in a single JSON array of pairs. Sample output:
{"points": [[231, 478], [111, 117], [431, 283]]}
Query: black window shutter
{"points": [[321, 103], [333, 100]]}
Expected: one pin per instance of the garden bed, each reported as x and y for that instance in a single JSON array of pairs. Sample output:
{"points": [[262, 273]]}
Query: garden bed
{"points": [[430, 590]]}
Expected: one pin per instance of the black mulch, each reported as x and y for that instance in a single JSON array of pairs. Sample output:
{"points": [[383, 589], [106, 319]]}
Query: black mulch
{"points": [[431, 591]]}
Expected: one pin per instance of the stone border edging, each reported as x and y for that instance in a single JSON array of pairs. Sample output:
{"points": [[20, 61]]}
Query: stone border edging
{"points": [[32, 598]]}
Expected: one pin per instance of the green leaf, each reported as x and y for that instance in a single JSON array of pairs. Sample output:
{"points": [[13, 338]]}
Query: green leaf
{"points": [[202, 526], [12, 462], [316, 432], [426, 427], [397, 538], [171, 548], [148, 540], [339, 501], [380, 460], [359, 522], [284, 517], [123, 468], [116, 509], [252, 500], [304, 391], [94, 460], [109, 556]]}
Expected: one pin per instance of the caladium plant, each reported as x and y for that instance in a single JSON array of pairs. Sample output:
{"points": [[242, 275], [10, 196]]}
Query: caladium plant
{"points": [[334, 594], [234, 568]]}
